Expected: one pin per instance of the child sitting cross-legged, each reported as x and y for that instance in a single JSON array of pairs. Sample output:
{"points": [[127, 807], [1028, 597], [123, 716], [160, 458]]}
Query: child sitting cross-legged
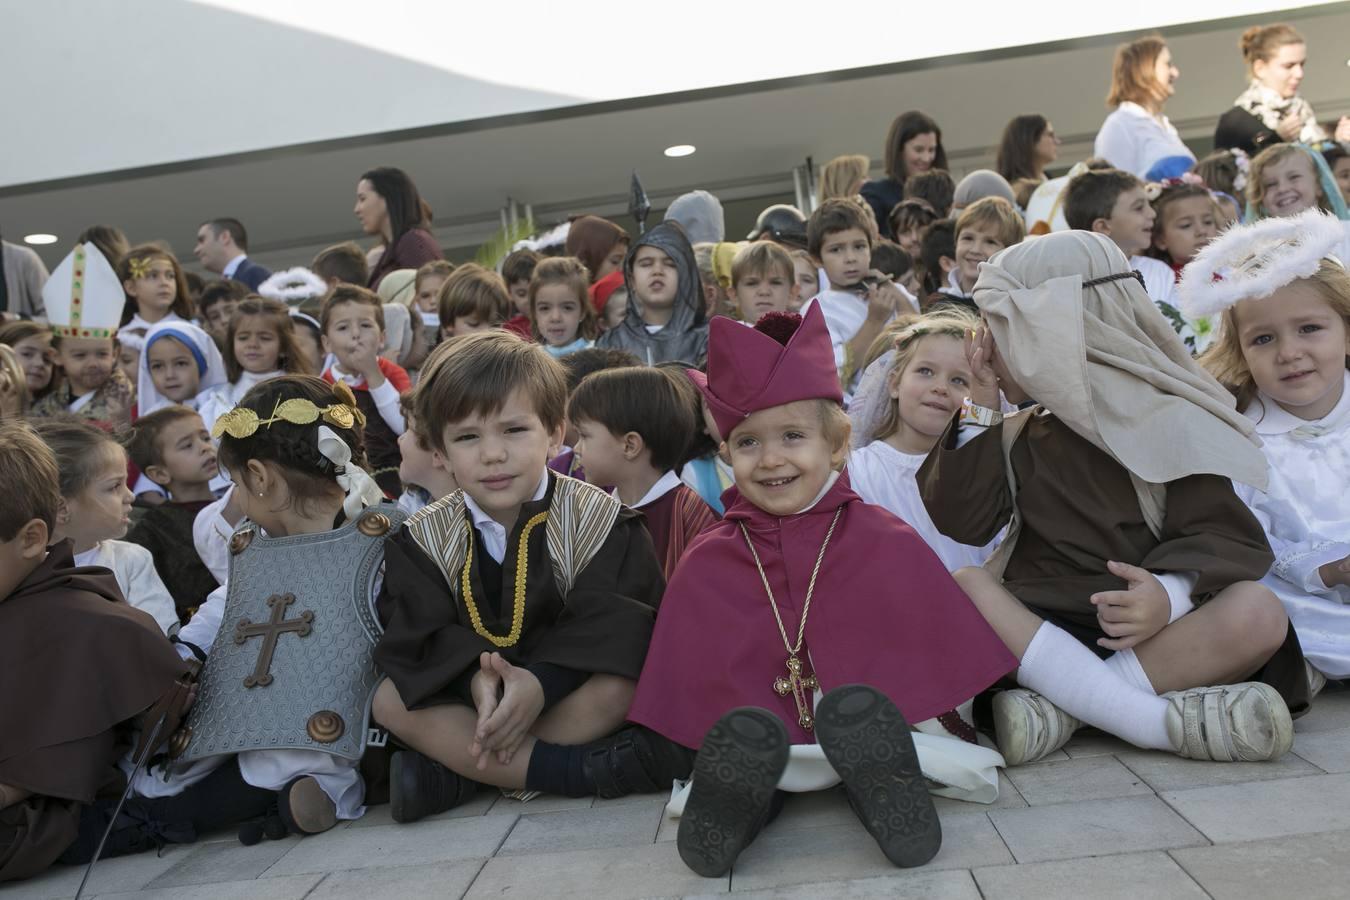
{"points": [[793, 593], [633, 426], [81, 668], [173, 449], [518, 609], [353, 331], [1125, 625]]}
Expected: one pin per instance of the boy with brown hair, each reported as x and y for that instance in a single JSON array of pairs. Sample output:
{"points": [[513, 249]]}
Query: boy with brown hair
{"points": [[472, 299], [343, 263], [62, 740], [860, 300], [763, 280], [217, 304], [517, 610], [1115, 203], [633, 429], [517, 270], [353, 332], [983, 228], [172, 447]]}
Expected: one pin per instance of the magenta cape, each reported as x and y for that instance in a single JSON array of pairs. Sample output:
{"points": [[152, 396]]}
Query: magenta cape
{"points": [[885, 613]]}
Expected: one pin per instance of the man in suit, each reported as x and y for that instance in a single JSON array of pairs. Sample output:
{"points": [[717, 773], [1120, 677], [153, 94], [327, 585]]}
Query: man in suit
{"points": [[222, 245]]}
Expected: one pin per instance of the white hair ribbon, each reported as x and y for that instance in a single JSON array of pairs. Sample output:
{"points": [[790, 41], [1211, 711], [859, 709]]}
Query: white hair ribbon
{"points": [[361, 489]]}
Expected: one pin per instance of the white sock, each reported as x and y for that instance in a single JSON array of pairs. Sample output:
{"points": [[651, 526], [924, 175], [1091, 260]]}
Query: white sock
{"points": [[1125, 663], [1076, 680]]}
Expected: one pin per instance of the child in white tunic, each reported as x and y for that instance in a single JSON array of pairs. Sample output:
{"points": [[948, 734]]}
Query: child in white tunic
{"points": [[905, 401], [1283, 345]]}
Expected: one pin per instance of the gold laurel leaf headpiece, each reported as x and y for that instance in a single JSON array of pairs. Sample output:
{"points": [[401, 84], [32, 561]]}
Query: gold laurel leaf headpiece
{"points": [[140, 267], [242, 422]]}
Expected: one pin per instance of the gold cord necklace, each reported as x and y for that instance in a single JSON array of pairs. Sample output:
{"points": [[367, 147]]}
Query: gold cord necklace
{"points": [[795, 682], [518, 606]]}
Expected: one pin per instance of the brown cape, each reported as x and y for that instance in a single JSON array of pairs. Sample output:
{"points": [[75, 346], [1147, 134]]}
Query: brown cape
{"points": [[76, 662]]}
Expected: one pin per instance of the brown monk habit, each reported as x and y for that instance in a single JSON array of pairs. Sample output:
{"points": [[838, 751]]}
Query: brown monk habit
{"points": [[76, 664], [1079, 509]]}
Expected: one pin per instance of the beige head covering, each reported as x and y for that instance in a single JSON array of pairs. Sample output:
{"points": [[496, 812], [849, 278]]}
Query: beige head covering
{"points": [[1106, 362]]}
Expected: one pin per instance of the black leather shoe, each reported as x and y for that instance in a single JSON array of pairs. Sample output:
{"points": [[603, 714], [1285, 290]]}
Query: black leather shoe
{"points": [[420, 787], [868, 742], [635, 760], [736, 777]]}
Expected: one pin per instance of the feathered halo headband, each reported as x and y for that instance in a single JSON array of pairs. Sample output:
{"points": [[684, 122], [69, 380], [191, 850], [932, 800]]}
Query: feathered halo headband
{"points": [[1253, 261], [293, 286]]}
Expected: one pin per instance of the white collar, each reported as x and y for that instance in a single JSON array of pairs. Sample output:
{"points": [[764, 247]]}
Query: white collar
{"points": [[248, 379], [351, 380], [233, 266], [664, 485], [1272, 419], [829, 483], [482, 520]]}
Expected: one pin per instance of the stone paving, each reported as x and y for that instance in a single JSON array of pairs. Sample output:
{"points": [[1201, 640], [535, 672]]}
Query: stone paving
{"points": [[1099, 820]]}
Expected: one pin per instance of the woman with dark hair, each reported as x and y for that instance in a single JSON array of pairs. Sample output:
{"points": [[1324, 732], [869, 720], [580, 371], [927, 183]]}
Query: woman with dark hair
{"points": [[388, 205], [1029, 145], [1136, 137], [913, 146]]}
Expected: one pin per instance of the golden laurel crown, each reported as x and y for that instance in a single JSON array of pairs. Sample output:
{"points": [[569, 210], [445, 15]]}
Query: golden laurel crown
{"points": [[242, 422]]}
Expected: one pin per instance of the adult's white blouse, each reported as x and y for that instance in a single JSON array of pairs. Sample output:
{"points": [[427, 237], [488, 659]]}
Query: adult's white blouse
{"points": [[1133, 139]]}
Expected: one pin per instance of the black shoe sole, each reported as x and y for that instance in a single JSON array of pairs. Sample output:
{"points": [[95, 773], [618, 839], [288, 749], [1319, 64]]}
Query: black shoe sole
{"points": [[735, 776], [305, 808], [868, 742]]}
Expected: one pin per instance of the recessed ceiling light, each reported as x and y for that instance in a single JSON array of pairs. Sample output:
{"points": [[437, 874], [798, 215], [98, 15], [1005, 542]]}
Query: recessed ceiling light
{"points": [[39, 239], [680, 150]]}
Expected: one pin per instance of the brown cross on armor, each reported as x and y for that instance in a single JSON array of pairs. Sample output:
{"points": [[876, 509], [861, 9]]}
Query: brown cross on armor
{"points": [[270, 632]]}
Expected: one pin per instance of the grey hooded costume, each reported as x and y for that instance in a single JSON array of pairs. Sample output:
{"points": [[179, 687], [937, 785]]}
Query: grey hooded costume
{"points": [[685, 336]]}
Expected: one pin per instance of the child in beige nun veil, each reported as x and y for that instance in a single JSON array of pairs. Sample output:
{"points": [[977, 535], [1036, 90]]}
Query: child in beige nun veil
{"points": [[1128, 579]]}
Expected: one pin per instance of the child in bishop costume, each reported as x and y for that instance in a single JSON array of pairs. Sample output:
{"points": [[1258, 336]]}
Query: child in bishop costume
{"points": [[84, 301], [1283, 301], [795, 592], [518, 609], [1126, 583]]}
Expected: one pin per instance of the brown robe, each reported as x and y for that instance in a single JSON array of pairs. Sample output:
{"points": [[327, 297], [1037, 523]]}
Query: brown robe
{"points": [[674, 519], [63, 630], [1079, 510], [603, 625]]}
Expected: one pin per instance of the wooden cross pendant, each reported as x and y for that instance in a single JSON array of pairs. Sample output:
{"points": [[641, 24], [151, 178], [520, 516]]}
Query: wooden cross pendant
{"points": [[270, 632], [798, 686]]}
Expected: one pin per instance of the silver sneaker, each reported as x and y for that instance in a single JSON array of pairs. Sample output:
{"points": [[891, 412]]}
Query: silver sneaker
{"points": [[1246, 722], [1029, 727]]}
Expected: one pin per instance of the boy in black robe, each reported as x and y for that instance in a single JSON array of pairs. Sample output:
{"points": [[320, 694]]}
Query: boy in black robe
{"points": [[517, 610]]}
